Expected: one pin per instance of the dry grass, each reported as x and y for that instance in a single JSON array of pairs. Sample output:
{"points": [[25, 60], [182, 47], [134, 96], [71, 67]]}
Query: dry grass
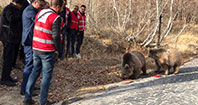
{"points": [[4, 2], [186, 42]]}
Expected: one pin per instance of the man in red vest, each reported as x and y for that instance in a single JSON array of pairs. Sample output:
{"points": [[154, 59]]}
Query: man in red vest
{"points": [[80, 35], [46, 43], [66, 16], [73, 29]]}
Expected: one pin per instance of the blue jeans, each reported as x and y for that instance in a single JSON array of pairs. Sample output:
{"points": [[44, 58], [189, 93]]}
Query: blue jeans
{"points": [[28, 66], [44, 63]]}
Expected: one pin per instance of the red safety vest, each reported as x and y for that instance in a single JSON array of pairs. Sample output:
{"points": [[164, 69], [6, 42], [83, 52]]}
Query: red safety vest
{"points": [[42, 38], [75, 21], [82, 22]]}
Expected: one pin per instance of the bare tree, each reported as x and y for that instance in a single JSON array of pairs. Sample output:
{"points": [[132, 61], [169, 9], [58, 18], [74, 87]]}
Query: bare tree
{"points": [[146, 24]]}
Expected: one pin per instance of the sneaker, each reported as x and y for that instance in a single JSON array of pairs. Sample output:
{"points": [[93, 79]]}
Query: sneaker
{"points": [[71, 56], [33, 94], [22, 93], [48, 103], [7, 83], [16, 67], [78, 56], [12, 80], [28, 102]]}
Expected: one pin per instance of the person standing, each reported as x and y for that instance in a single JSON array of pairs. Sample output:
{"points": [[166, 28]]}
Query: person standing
{"points": [[21, 49], [10, 35], [73, 28], [66, 16], [28, 18], [80, 35], [46, 43]]}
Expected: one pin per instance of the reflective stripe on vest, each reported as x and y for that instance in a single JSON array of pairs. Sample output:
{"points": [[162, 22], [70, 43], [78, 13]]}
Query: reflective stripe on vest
{"points": [[74, 22], [81, 26], [82, 21], [43, 40], [43, 30]]}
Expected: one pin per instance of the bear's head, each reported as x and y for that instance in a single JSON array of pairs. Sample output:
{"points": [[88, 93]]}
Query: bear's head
{"points": [[127, 71]]}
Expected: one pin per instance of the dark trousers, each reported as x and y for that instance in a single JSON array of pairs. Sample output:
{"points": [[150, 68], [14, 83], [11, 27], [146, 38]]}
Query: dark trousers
{"points": [[80, 38], [71, 38], [28, 66], [64, 32], [21, 54], [10, 52]]}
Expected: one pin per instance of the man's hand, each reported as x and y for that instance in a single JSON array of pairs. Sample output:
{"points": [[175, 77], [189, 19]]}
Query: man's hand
{"points": [[56, 52]]}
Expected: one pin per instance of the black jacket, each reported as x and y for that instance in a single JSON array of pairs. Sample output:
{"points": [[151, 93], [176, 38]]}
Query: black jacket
{"points": [[56, 34], [11, 24], [63, 15]]}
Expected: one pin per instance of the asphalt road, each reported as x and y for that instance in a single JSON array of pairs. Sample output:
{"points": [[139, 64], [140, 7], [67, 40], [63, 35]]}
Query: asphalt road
{"points": [[181, 89]]}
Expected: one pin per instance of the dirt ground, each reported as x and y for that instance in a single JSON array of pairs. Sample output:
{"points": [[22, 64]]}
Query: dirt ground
{"points": [[71, 77], [99, 66]]}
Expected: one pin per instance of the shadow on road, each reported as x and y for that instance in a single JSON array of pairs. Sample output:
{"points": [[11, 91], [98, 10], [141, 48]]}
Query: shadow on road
{"points": [[186, 74]]}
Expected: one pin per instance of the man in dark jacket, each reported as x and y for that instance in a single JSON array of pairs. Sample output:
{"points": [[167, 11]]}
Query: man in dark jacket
{"points": [[73, 29], [28, 17], [66, 16], [10, 35], [21, 49]]}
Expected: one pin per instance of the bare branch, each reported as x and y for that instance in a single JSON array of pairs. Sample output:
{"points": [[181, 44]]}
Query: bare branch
{"points": [[170, 23], [176, 38], [117, 13], [153, 35], [168, 28]]}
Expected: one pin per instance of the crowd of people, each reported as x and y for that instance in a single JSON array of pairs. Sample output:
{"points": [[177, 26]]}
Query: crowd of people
{"points": [[45, 30]]}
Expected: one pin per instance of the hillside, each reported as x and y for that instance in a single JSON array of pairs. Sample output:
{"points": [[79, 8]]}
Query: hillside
{"points": [[99, 66], [102, 52]]}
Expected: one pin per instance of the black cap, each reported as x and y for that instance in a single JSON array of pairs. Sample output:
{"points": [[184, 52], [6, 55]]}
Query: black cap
{"points": [[18, 1]]}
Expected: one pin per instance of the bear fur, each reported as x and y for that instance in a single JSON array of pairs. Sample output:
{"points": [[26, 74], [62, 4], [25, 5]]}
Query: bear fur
{"points": [[133, 63], [150, 65], [167, 59]]}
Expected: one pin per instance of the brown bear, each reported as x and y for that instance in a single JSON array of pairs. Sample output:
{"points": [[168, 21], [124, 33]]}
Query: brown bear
{"points": [[166, 59], [150, 65], [133, 63]]}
